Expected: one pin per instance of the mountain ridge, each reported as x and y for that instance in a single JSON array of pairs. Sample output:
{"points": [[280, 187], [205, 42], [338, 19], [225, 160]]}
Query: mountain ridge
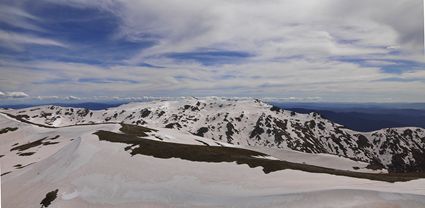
{"points": [[253, 123]]}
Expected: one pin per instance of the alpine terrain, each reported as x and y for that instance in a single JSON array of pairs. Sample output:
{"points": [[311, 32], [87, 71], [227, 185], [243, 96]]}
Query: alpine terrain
{"points": [[209, 152]]}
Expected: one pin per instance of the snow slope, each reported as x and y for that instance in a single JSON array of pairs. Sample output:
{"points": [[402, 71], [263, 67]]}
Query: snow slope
{"points": [[29, 144], [320, 159], [252, 123]]}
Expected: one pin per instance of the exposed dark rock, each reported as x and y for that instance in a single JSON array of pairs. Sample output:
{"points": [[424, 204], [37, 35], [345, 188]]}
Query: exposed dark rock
{"points": [[51, 196], [311, 124], [362, 142], [145, 113], [230, 131], [201, 131], [8, 129], [321, 125], [83, 112], [161, 113], [45, 115], [173, 125], [375, 164], [258, 130], [276, 109]]}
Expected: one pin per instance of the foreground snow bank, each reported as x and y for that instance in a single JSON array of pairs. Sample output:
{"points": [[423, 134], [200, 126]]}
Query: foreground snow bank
{"points": [[92, 173]]}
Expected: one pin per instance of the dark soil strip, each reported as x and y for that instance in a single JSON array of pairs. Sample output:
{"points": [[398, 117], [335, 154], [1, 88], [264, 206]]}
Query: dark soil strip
{"points": [[19, 166], [49, 143], [5, 173], [219, 144], [35, 143], [7, 129], [135, 130], [202, 142], [26, 153], [159, 138], [51, 196], [55, 137], [28, 145], [200, 153]]}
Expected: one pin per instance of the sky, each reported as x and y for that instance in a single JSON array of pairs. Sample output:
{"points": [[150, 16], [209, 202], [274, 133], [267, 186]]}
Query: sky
{"points": [[287, 50]]}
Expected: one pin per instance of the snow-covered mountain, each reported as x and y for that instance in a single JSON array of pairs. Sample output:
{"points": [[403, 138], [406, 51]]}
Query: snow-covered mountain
{"points": [[64, 157], [254, 124]]}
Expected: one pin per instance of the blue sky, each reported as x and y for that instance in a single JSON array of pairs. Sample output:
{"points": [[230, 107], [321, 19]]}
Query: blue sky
{"points": [[329, 51]]}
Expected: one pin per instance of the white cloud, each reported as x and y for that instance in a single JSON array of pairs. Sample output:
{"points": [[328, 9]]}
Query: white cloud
{"points": [[291, 99], [13, 95], [270, 29], [18, 18], [17, 41], [48, 97], [72, 98], [329, 80]]}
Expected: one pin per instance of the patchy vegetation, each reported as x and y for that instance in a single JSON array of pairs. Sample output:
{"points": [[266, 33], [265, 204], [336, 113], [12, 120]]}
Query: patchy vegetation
{"points": [[135, 130], [200, 153], [35, 143], [28, 145]]}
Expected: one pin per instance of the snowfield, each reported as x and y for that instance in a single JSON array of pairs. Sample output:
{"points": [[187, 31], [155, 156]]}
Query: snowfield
{"points": [[323, 160], [70, 166]]}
